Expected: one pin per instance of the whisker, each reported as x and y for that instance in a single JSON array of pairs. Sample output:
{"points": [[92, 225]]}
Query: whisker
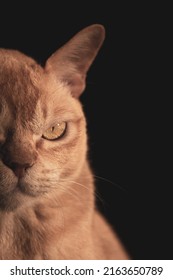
{"points": [[97, 195], [112, 183], [74, 182], [70, 191]]}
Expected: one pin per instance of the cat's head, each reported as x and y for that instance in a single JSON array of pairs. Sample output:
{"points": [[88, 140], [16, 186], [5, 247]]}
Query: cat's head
{"points": [[42, 126]]}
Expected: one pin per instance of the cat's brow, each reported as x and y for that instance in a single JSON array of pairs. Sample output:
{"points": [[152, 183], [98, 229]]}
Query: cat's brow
{"points": [[62, 112], [63, 115]]}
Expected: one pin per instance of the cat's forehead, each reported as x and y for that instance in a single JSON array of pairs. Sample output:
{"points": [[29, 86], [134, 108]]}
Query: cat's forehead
{"points": [[28, 91], [19, 81]]}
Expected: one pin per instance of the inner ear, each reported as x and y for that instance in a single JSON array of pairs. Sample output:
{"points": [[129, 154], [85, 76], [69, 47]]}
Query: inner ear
{"points": [[71, 62]]}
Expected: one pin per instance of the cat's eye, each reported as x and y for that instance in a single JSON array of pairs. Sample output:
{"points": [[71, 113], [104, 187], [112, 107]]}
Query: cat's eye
{"points": [[55, 132]]}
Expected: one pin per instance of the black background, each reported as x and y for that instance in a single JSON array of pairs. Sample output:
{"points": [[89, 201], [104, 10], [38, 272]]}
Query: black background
{"points": [[124, 108]]}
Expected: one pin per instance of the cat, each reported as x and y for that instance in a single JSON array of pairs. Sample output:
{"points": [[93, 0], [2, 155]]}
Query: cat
{"points": [[47, 202]]}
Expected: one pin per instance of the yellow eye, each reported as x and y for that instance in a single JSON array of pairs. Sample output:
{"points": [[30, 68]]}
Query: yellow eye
{"points": [[55, 132]]}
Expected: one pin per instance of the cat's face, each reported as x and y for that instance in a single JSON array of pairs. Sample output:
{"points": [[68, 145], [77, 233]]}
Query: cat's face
{"points": [[42, 132], [42, 125]]}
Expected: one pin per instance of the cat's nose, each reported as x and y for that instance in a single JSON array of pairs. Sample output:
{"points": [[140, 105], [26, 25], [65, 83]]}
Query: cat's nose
{"points": [[18, 160], [19, 169]]}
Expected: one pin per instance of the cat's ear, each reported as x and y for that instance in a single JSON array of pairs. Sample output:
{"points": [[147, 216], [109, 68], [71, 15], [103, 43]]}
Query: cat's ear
{"points": [[71, 62]]}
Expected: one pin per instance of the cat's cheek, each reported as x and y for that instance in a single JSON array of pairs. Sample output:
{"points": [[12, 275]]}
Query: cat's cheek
{"points": [[71, 167], [41, 176]]}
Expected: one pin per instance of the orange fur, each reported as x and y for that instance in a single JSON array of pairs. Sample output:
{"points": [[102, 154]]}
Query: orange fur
{"points": [[47, 204]]}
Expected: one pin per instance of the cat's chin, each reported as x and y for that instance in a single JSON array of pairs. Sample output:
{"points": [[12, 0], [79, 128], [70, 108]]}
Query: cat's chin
{"points": [[12, 201]]}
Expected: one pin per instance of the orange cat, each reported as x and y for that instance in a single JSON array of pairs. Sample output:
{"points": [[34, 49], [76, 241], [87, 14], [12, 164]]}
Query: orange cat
{"points": [[47, 204]]}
